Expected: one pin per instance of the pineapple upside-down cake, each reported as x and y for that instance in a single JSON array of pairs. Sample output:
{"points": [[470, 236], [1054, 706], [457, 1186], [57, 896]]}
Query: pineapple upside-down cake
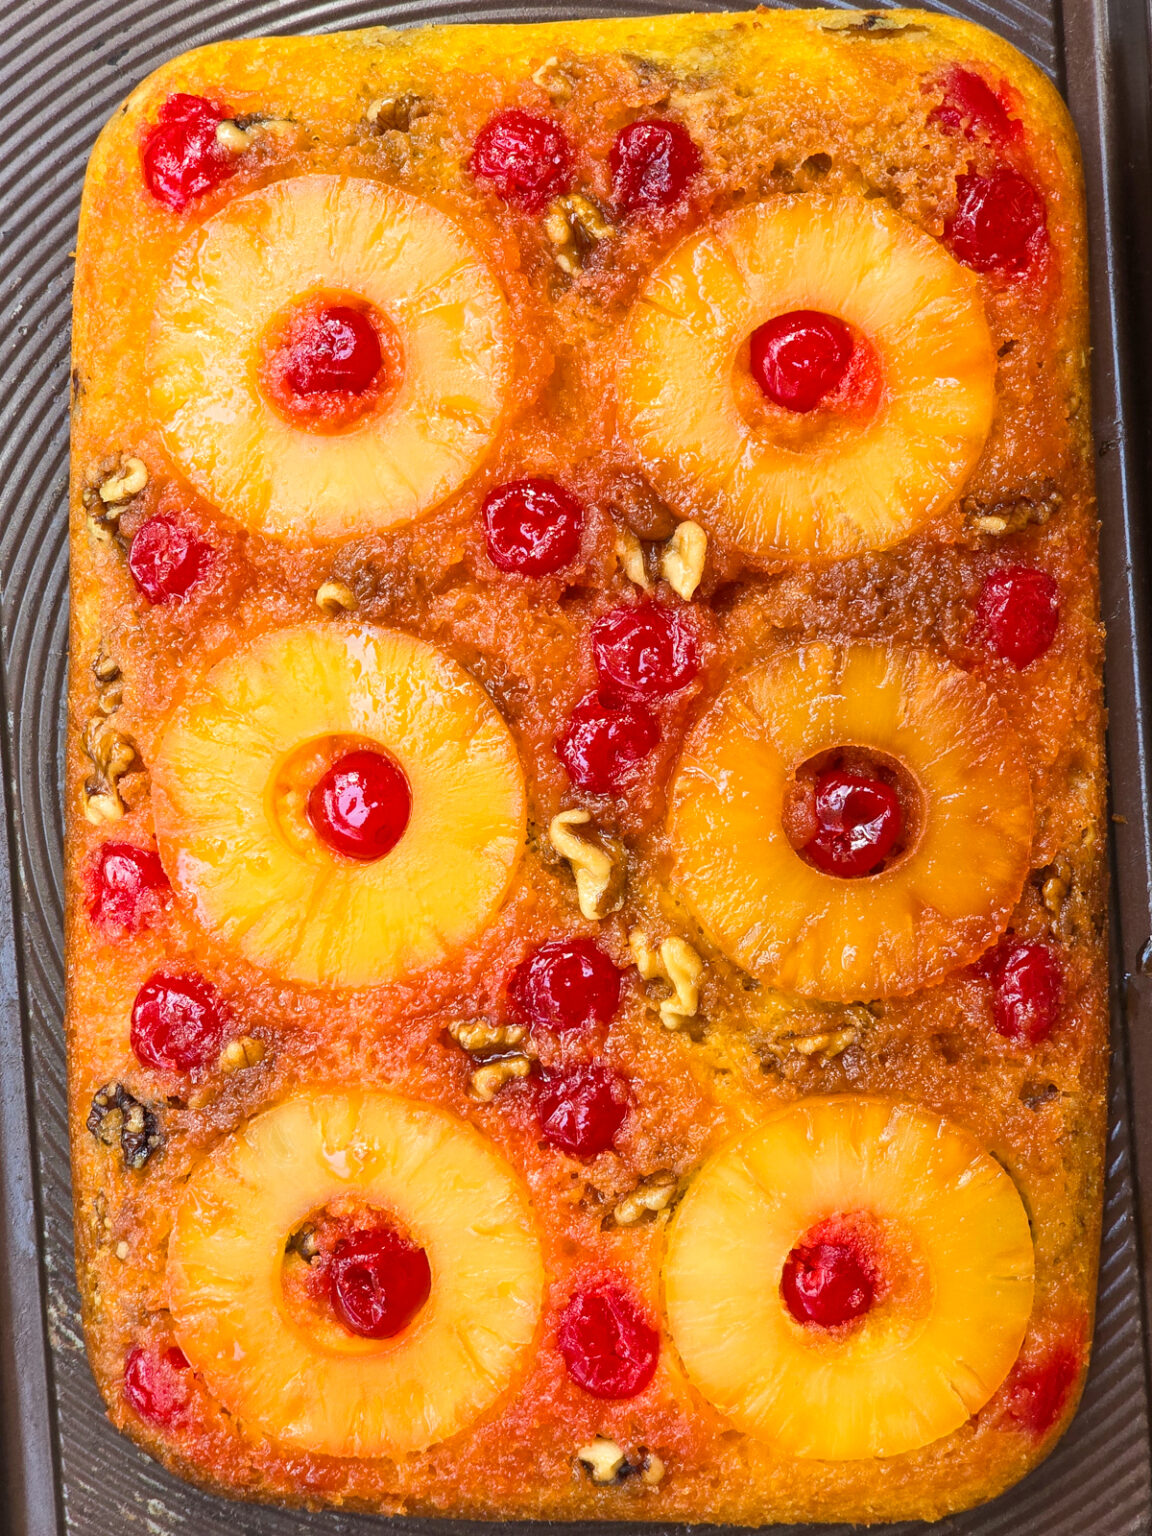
{"points": [[586, 969]]}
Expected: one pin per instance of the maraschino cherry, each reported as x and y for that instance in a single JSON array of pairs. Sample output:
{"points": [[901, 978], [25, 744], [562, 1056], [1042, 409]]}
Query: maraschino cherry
{"points": [[828, 1280], [129, 888], [157, 1384], [1018, 613], [336, 348], [604, 741], [167, 559], [970, 106], [799, 359], [181, 155], [581, 1108], [1028, 989], [178, 1022], [651, 163], [532, 526], [1038, 1392], [645, 651], [566, 986], [527, 159], [377, 1282], [1000, 223], [858, 824], [362, 805], [608, 1345]]}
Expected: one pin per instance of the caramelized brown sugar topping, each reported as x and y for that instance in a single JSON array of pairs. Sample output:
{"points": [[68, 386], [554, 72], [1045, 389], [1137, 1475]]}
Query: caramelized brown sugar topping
{"points": [[523, 488]]}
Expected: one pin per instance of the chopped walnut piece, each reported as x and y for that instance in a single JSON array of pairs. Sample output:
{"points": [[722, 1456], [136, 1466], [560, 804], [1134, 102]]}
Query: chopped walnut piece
{"points": [[112, 754], [334, 597], [487, 1081], [630, 554], [248, 1051], [682, 564], [551, 78], [677, 963], [122, 1251], [653, 1194], [1056, 880], [118, 1117], [1009, 514], [480, 1038], [811, 1038], [303, 1242], [598, 863], [651, 1469], [575, 227], [396, 114], [109, 683], [129, 480], [230, 136], [603, 1459]]}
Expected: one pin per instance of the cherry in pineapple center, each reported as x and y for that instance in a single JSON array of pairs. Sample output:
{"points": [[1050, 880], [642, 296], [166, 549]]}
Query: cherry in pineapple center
{"points": [[328, 361]]}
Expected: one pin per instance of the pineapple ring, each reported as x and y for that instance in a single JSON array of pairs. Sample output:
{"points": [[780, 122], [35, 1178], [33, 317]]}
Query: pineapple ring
{"points": [[883, 935], [445, 1183], [902, 1376], [263, 253], [855, 487], [272, 889]]}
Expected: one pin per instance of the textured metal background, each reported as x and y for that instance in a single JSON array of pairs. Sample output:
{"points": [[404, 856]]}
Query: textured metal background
{"points": [[64, 64]]}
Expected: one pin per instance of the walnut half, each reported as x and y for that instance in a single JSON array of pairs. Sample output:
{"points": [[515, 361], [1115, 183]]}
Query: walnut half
{"points": [[677, 963], [112, 755], [598, 862]]}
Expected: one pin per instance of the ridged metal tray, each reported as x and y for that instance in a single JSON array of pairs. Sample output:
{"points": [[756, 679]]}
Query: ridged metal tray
{"points": [[64, 64]]}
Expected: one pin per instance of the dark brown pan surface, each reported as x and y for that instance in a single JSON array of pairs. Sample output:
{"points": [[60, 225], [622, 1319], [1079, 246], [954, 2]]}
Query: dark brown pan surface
{"points": [[63, 66]]}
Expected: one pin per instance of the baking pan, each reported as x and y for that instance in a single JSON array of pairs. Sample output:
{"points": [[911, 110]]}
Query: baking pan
{"points": [[63, 67]]}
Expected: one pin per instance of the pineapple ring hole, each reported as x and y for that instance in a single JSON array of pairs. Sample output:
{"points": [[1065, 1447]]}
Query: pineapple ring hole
{"points": [[900, 1278], [798, 813], [304, 1276], [296, 777], [334, 410], [851, 407]]}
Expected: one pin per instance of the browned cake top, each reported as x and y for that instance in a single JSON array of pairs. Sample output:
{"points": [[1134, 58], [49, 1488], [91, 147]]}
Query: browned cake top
{"points": [[585, 624]]}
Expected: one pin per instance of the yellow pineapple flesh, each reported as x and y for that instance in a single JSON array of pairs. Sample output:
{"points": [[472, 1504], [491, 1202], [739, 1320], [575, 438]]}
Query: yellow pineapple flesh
{"points": [[942, 1335], [230, 781], [845, 484], [331, 1391], [235, 279], [937, 907]]}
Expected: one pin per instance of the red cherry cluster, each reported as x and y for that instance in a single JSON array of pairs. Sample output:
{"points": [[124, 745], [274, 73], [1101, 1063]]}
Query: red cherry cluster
{"points": [[181, 155], [609, 1346], [528, 160], [1027, 989], [377, 1282], [643, 654]]}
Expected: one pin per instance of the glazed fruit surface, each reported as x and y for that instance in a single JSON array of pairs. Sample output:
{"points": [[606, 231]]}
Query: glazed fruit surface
{"points": [[519, 568]]}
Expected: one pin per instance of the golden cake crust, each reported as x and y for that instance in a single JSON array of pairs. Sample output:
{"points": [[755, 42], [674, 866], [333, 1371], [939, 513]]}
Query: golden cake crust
{"points": [[822, 103]]}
